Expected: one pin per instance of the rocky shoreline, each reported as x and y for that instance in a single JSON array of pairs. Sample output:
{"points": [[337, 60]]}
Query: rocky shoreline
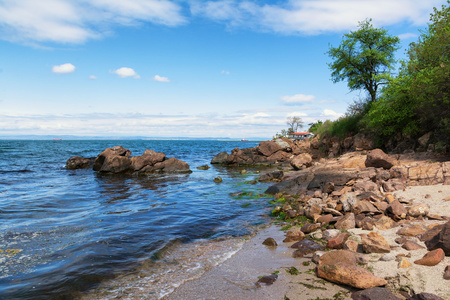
{"points": [[347, 216]]}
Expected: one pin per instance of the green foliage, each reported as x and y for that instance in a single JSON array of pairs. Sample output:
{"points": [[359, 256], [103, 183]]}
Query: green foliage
{"points": [[417, 101], [364, 58], [346, 125], [315, 126]]}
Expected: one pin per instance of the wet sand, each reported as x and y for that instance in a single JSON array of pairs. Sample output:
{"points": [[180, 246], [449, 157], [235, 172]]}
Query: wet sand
{"points": [[236, 278]]}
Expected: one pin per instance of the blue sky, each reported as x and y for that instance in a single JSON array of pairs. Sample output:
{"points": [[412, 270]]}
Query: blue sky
{"points": [[162, 68]]}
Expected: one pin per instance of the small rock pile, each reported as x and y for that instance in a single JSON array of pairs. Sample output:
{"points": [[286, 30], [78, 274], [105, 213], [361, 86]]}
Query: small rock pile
{"points": [[281, 150], [117, 160]]}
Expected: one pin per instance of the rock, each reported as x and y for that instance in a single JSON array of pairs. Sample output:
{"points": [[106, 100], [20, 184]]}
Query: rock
{"points": [[218, 179], [384, 223], [362, 142], [404, 263], [284, 145], [423, 140], [331, 211], [351, 275], [376, 293], [346, 222], [426, 174], [365, 185], [268, 280], [348, 200], [172, 165], [411, 230], [378, 159], [411, 245], [113, 160], [351, 245], [419, 210], [425, 296], [317, 235], [338, 256], [330, 233], [328, 187], [338, 241], [270, 242], [294, 235], [389, 198], [221, 158], [325, 219], [77, 162], [267, 148], [310, 227], [432, 258], [447, 273], [441, 240], [388, 257], [375, 243], [365, 207], [431, 233], [301, 161], [306, 247], [271, 176], [204, 167], [396, 210], [149, 158]]}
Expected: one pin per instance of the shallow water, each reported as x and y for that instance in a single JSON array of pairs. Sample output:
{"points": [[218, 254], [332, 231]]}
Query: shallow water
{"points": [[64, 231]]}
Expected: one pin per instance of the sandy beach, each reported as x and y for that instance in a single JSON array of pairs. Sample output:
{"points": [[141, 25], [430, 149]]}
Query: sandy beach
{"points": [[236, 278]]}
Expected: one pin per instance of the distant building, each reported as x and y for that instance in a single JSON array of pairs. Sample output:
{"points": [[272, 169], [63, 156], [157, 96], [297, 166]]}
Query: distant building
{"points": [[300, 136]]}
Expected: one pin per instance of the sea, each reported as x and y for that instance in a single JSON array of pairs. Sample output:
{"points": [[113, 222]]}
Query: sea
{"points": [[78, 234]]}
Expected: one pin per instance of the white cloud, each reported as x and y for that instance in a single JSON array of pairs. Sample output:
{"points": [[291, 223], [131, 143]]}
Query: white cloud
{"points": [[160, 78], [296, 114], [64, 68], [68, 21], [93, 77], [225, 72], [297, 99], [312, 17], [331, 114], [133, 124], [125, 72], [408, 36]]}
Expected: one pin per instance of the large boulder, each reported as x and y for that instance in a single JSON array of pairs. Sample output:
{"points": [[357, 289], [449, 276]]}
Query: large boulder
{"points": [[267, 148], [301, 161], [220, 158], [172, 165], [339, 266], [149, 157], [378, 159], [113, 160]]}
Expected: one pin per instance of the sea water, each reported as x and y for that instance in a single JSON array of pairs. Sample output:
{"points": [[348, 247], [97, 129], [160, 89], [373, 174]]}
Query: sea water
{"points": [[76, 233]]}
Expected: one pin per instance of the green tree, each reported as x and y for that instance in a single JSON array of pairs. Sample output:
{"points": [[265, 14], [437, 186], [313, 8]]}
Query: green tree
{"points": [[364, 58], [418, 100]]}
